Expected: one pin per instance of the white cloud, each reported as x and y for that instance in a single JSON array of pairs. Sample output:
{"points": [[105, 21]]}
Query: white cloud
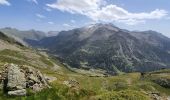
{"points": [[34, 1], [99, 10], [66, 25], [132, 21], [51, 23], [78, 6], [40, 16], [4, 2]]}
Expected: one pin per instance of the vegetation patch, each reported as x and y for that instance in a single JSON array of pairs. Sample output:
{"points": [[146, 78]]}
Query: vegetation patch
{"points": [[123, 95], [12, 53]]}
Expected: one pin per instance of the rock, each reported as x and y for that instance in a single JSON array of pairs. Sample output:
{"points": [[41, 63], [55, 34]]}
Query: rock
{"points": [[168, 98], [50, 78], [156, 96], [71, 83], [37, 87], [163, 82], [42, 78], [35, 79], [17, 92], [16, 78]]}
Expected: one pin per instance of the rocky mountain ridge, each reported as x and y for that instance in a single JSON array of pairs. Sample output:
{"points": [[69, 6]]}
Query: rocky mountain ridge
{"points": [[108, 47]]}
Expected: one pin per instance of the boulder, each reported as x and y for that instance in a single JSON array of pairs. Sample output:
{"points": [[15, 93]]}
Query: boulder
{"points": [[163, 82], [16, 78], [35, 79], [50, 78], [21, 92], [156, 96]]}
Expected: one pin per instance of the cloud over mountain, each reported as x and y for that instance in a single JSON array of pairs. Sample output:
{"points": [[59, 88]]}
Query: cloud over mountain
{"points": [[100, 10]]}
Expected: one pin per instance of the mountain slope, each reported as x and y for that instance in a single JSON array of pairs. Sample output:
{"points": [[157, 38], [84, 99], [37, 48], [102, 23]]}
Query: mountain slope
{"points": [[105, 46], [12, 51]]}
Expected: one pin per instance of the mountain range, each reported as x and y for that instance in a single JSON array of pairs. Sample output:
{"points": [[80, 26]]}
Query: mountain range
{"points": [[106, 47], [27, 37], [79, 65]]}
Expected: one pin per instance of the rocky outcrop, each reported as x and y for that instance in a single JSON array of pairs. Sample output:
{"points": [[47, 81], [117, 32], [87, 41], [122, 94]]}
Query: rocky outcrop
{"points": [[107, 47], [163, 82], [16, 79], [35, 80], [16, 82], [155, 96]]}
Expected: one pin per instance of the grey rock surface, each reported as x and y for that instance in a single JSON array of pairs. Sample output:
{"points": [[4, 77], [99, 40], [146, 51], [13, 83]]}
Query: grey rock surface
{"points": [[16, 78], [21, 92]]}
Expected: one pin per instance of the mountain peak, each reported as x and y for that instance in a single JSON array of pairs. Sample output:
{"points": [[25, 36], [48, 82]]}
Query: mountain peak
{"points": [[101, 25], [96, 26]]}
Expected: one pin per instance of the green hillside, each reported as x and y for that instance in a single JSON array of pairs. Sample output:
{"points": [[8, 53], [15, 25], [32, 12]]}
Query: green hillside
{"points": [[130, 86]]}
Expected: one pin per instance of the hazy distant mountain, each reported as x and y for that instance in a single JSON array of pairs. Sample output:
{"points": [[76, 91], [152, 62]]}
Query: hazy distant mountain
{"points": [[5, 41], [52, 33], [24, 36], [30, 34], [108, 47]]}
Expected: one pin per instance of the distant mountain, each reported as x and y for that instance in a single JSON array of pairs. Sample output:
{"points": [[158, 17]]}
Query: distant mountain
{"points": [[24, 36], [52, 33], [5, 39], [105, 46]]}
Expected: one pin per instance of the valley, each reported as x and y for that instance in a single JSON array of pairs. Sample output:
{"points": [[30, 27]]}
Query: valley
{"points": [[84, 50], [69, 83]]}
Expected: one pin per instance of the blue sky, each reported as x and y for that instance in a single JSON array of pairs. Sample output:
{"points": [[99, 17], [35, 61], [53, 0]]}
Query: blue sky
{"points": [[56, 15]]}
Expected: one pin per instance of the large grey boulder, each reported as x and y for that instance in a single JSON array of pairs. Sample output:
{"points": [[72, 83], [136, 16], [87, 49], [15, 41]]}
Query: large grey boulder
{"points": [[16, 78], [15, 81]]}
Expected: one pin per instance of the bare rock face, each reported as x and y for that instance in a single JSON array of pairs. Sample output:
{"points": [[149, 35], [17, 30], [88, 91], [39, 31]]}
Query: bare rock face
{"points": [[16, 79]]}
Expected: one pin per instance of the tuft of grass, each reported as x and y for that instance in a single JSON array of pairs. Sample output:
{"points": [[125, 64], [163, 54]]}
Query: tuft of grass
{"points": [[12, 53], [4, 59], [123, 95], [46, 61]]}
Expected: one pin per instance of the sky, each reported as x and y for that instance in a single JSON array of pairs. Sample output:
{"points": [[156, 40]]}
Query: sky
{"points": [[57, 15]]}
